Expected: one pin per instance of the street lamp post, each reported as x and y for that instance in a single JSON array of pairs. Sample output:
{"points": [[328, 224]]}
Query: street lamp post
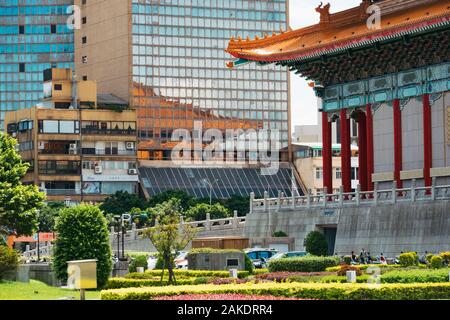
{"points": [[210, 188]]}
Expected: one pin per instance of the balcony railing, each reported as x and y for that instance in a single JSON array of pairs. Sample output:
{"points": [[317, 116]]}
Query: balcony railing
{"points": [[117, 132], [61, 192], [60, 171], [59, 152], [108, 152]]}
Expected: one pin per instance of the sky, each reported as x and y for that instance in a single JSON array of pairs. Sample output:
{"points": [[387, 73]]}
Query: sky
{"points": [[303, 100]]}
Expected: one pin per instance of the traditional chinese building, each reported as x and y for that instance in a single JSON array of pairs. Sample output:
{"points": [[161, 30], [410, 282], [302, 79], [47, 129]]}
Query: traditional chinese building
{"points": [[385, 64]]}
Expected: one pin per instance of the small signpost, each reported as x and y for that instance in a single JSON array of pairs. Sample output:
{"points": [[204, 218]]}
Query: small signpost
{"points": [[351, 276], [82, 275]]}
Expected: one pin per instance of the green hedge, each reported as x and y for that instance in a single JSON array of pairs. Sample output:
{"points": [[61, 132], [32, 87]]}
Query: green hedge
{"points": [[383, 267], [322, 291], [399, 276], [415, 276], [303, 264], [186, 274], [117, 283]]}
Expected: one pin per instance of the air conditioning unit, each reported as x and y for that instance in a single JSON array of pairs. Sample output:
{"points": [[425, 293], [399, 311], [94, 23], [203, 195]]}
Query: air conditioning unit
{"points": [[41, 145], [73, 146], [129, 145], [132, 172], [98, 170]]}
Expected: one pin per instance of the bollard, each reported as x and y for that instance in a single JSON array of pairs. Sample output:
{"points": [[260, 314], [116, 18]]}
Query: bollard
{"points": [[351, 276], [234, 273]]}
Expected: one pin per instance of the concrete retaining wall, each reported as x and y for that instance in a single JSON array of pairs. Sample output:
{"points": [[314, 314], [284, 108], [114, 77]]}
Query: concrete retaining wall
{"points": [[387, 228]]}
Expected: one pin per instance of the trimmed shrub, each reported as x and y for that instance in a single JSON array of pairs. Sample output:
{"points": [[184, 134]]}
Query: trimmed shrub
{"points": [[118, 283], [138, 260], [429, 256], [446, 257], [293, 276], [409, 259], [9, 260], [179, 274], [343, 279], [415, 276], [343, 270], [82, 234], [322, 291], [303, 264], [347, 260], [316, 244], [437, 262]]}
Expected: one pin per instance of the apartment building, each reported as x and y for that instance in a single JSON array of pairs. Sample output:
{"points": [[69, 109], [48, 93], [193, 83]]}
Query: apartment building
{"points": [[81, 146]]}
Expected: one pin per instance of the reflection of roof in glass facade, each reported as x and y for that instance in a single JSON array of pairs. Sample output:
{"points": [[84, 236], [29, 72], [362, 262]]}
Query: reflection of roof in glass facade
{"points": [[179, 68], [33, 37], [225, 182]]}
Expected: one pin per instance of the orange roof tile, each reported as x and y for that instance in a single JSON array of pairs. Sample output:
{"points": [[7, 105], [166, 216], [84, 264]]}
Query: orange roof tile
{"points": [[343, 30]]}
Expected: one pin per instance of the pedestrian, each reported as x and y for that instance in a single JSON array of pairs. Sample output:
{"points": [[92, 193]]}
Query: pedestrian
{"points": [[354, 258], [362, 256], [383, 259]]}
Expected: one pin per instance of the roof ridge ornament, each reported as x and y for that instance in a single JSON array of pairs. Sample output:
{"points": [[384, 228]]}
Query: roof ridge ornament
{"points": [[324, 12]]}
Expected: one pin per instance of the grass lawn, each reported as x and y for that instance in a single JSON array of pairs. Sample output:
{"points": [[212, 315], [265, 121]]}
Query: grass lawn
{"points": [[36, 290]]}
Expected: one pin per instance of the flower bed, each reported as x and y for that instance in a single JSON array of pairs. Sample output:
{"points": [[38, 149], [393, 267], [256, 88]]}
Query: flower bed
{"points": [[298, 290], [224, 297]]}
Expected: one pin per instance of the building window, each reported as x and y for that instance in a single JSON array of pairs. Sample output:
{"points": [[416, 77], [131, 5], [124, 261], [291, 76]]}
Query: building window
{"points": [[84, 40], [84, 20], [58, 87], [85, 78], [338, 174], [53, 28], [319, 173], [83, 2], [21, 67], [317, 153], [84, 59], [21, 29]]}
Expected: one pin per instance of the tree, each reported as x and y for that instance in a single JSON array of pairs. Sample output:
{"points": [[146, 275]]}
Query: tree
{"points": [[48, 214], [216, 211], [18, 203], [122, 202], [316, 244], [183, 196], [82, 234], [238, 203], [9, 260], [169, 236]]}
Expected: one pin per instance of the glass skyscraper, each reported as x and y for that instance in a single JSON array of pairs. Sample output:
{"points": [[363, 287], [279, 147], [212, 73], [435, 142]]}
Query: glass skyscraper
{"points": [[33, 37], [179, 71]]}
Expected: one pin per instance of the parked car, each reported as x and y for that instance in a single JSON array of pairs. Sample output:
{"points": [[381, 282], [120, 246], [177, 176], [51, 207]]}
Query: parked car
{"points": [[181, 261], [289, 254], [151, 262], [260, 256]]}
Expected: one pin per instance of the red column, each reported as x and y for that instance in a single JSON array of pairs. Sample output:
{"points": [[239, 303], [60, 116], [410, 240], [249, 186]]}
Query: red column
{"points": [[398, 146], [369, 144], [327, 154], [427, 141], [362, 146], [346, 165]]}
